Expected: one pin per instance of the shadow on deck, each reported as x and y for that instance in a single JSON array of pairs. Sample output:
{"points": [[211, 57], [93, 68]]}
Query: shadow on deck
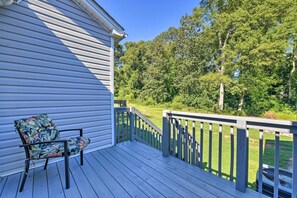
{"points": [[130, 169]]}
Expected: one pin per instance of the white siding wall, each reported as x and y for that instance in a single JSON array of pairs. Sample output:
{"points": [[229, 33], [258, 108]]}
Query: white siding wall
{"points": [[54, 59]]}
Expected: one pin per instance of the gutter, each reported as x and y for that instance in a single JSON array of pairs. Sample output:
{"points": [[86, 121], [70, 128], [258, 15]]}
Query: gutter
{"points": [[118, 36], [102, 17]]}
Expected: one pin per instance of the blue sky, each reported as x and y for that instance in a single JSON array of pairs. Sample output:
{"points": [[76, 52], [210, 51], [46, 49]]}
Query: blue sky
{"points": [[145, 19]]}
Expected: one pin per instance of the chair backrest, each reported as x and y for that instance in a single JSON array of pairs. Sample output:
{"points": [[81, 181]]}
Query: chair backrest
{"points": [[36, 129]]}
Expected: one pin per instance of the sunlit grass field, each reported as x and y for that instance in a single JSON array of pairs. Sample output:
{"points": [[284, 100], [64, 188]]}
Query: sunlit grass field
{"points": [[154, 113]]}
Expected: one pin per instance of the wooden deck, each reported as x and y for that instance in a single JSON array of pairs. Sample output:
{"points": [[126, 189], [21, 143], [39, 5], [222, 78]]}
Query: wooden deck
{"points": [[129, 169]]}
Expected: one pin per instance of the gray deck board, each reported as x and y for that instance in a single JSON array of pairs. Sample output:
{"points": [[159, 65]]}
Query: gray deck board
{"points": [[129, 169], [73, 191], [177, 171], [175, 183], [147, 189], [55, 188], [28, 190], [132, 189], [196, 183], [86, 190], [2, 183], [173, 188], [96, 182], [116, 189], [185, 183], [163, 189], [11, 186], [211, 180], [40, 183]]}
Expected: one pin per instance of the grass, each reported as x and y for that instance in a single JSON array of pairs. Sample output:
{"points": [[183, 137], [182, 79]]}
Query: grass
{"points": [[154, 113]]}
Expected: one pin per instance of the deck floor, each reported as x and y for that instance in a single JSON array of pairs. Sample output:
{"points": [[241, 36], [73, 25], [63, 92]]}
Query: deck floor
{"points": [[129, 169]]}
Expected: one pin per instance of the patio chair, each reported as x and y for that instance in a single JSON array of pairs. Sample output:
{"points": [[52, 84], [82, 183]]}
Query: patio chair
{"points": [[41, 140]]}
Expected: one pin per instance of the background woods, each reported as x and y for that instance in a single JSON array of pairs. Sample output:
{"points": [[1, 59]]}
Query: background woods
{"points": [[234, 56]]}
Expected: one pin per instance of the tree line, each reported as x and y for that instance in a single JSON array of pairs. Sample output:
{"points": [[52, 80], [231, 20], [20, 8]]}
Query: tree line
{"points": [[235, 56]]}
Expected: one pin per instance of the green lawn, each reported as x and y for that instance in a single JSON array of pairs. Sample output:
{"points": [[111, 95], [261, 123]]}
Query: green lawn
{"points": [[155, 115]]}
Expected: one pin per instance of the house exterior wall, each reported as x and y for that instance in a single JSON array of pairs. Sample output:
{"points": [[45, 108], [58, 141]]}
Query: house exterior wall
{"points": [[54, 59]]}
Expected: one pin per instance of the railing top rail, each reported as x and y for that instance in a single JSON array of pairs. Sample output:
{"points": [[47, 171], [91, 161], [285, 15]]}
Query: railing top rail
{"points": [[122, 103], [122, 109], [252, 122]]}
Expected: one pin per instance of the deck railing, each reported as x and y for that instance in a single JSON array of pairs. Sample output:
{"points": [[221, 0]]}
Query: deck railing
{"points": [[121, 103], [131, 125], [176, 142]]}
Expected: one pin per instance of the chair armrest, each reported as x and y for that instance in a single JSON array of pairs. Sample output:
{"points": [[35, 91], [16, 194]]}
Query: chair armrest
{"points": [[80, 131], [46, 142], [49, 142]]}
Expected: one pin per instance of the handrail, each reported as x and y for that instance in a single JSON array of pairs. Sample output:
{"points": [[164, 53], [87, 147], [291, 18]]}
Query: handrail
{"points": [[122, 103], [240, 125], [191, 139], [132, 125], [145, 119], [252, 122]]}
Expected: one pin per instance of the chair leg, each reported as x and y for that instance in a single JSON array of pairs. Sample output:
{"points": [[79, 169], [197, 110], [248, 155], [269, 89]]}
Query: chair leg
{"points": [[27, 164], [45, 165], [81, 158], [67, 171]]}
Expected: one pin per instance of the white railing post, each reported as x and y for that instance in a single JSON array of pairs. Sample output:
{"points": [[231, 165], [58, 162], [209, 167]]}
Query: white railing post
{"points": [[241, 159], [166, 134], [132, 122]]}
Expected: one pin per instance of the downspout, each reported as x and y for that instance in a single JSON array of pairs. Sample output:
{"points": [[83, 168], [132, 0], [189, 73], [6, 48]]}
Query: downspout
{"points": [[6, 2]]}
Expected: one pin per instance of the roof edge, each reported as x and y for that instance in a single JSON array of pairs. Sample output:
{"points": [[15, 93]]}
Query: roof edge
{"points": [[102, 17]]}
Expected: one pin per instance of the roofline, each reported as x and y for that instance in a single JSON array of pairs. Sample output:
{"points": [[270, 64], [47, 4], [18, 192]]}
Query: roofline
{"points": [[108, 15], [102, 17]]}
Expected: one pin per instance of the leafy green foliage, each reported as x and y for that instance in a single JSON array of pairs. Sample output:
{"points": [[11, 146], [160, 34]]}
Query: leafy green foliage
{"points": [[236, 56]]}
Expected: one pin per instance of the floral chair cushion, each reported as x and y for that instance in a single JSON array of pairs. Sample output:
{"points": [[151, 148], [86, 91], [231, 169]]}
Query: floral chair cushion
{"points": [[37, 129], [41, 128], [75, 145]]}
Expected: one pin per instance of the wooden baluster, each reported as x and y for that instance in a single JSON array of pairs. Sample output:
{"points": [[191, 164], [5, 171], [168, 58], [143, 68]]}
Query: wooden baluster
{"points": [[127, 127], [142, 132], [210, 148], [232, 153], [161, 146], [193, 143], [146, 134], [154, 138], [276, 166], [173, 138], [150, 137], [220, 150], [123, 127], [135, 126], [139, 128], [189, 149], [260, 180], [118, 127], [186, 139], [201, 144], [179, 141]]}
